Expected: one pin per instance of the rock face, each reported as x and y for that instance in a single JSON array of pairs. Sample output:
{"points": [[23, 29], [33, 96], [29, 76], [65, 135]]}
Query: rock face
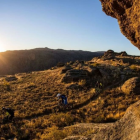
{"points": [[127, 128], [65, 69], [109, 53], [75, 75], [123, 53], [132, 86], [127, 12], [11, 78]]}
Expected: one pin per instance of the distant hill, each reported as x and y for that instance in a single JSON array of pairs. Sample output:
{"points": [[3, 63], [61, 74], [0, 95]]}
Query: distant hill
{"points": [[12, 62]]}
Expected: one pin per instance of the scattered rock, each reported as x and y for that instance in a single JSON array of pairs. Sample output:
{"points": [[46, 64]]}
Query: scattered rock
{"points": [[73, 86], [123, 77], [71, 62], [60, 64], [123, 53], [91, 70], [103, 73], [11, 78], [132, 86], [66, 68], [109, 53]]}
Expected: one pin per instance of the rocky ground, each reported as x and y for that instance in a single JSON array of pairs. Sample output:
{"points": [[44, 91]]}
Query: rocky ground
{"points": [[33, 96], [127, 128]]}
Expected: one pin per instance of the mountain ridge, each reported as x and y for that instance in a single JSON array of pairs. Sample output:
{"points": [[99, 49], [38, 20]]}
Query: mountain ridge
{"points": [[37, 59]]}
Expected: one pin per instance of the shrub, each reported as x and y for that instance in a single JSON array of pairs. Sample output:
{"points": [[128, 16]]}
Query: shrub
{"points": [[82, 82], [6, 85], [62, 119], [95, 64], [133, 67], [122, 106], [99, 119], [60, 64], [53, 134], [31, 85]]}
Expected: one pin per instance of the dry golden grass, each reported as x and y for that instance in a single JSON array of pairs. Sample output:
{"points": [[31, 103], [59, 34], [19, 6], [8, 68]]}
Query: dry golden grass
{"points": [[133, 67], [95, 64], [33, 97]]}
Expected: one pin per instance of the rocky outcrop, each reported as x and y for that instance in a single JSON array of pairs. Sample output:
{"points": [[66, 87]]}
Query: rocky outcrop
{"points": [[66, 68], [75, 75], [11, 78], [123, 53], [132, 86], [109, 53], [127, 128], [127, 12], [60, 64]]}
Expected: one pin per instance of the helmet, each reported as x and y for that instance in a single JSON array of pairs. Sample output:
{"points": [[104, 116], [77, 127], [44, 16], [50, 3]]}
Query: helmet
{"points": [[3, 108], [58, 95]]}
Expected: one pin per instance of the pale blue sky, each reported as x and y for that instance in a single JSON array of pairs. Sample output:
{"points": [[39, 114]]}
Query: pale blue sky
{"points": [[66, 24]]}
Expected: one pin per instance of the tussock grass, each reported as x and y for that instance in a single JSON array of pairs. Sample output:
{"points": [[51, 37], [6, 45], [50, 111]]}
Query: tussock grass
{"points": [[33, 97]]}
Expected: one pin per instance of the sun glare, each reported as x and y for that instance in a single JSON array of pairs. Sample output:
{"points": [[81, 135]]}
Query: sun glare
{"points": [[2, 49]]}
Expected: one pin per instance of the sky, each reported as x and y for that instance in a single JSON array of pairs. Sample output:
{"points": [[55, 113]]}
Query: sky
{"points": [[63, 24]]}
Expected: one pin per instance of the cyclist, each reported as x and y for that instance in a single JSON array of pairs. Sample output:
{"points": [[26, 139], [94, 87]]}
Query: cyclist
{"points": [[98, 87], [9, 113], [63, 99]]}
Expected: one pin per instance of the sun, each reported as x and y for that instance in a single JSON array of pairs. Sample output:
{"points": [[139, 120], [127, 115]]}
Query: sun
{"points": [[2, 49]]}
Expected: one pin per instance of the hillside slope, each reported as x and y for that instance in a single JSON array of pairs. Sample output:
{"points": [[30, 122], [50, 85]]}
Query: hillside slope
{"points": [[12, 62], [38, 116]]}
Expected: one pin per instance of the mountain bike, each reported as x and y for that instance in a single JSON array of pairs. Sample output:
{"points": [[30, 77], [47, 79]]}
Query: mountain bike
{"points": [[97, 91], [6, 120], [63, 107]]}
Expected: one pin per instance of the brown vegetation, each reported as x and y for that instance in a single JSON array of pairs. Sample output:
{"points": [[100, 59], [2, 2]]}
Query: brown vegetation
{"points": [[33, 97]]}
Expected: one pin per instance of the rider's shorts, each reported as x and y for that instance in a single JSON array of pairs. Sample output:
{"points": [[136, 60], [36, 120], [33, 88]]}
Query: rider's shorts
{"points": [[65, 101]]}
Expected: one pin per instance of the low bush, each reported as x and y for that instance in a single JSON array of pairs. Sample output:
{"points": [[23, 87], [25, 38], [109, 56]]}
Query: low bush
{"points": [[62, 119], [53, 134]]}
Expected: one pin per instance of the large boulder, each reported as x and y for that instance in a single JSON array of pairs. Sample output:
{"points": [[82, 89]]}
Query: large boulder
{"points": [[127, 12], [66, 68], [109, 53], [132, 86], [123, 53], [60, 64], [127, 128], [11, 78], [103, 73], [75, 75]]}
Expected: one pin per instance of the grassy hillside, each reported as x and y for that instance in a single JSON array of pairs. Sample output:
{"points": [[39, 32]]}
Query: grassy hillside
{"points": [[12, 62], [33, 97]]}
